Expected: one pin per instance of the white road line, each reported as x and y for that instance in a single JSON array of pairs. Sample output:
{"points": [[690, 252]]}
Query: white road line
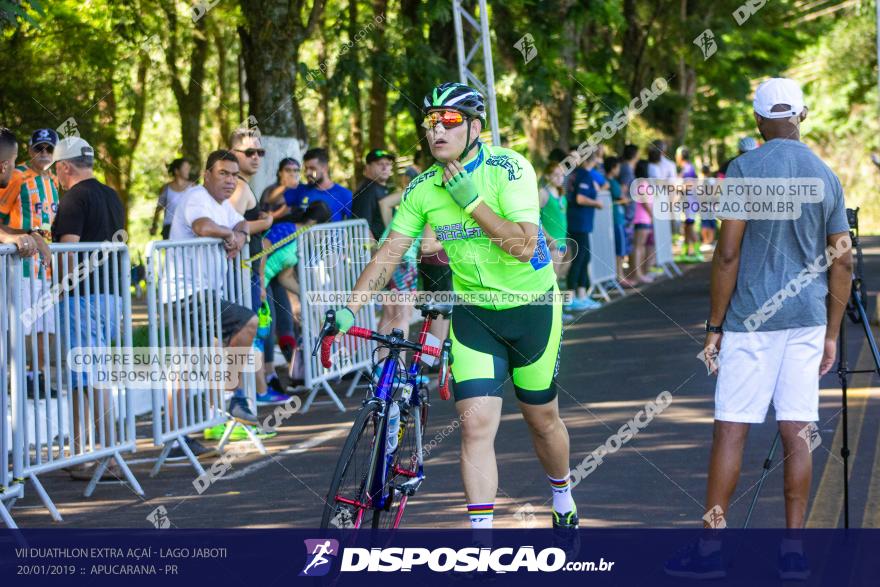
{"points": [[293, 450]]}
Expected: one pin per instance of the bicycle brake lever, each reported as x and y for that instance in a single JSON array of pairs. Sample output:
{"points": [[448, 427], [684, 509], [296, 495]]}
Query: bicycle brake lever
{"points": [[327, 329]]}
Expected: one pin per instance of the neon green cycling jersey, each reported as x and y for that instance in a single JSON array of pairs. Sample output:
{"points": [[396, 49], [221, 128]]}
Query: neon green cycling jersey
{"points": [[482, 273]]}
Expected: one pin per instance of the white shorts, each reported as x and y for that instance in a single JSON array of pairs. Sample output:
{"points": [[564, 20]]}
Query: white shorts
{"points": [[36, 317], [782, 366]]}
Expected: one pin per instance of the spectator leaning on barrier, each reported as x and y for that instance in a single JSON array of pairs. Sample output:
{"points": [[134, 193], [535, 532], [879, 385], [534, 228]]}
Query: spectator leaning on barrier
{"points": [[316, 163], [582, 204], [28, 205], [24, 243], [248, 149], [171, 194], [280, 263], [772, 349], [282, 328], [89, 212], [207, 212], [374, 187]]}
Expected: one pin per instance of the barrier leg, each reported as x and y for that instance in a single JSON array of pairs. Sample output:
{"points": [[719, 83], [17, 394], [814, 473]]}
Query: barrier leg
{"points": [[44, 497], [129, 476], [676, 269], [309, 400], [230, 426], [166, 448], [7, 519], [189, 454], [354, 383], [618, 287], [257, 442], [600, 289], [99, 472]]}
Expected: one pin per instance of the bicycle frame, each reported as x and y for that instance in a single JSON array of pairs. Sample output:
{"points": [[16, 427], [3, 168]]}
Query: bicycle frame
{"points": [[384, 393]]}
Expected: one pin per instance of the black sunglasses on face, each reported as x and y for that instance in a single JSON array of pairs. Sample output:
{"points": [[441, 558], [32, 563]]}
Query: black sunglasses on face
{"points": [[44, 147], [252, 152]]}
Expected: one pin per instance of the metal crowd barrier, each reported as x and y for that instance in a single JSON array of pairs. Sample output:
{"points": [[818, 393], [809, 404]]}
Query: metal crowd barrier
{"points": [[663, 247], [603, 257], [10, 369], [331, 257], [182, 315], [61, 416]]}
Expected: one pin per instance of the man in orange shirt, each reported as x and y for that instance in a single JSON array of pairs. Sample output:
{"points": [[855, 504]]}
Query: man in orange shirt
{"points": [[27, 206]]}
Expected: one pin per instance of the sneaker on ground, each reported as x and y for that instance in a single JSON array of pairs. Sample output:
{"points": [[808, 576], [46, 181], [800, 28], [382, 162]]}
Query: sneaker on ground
{"points": [[239, 410], [582, 304], [176, 453], [565, 533], [688, 563], [274, 383], [657, 270], [197, 448], [214, 432], [793, 566], [271, 398]]}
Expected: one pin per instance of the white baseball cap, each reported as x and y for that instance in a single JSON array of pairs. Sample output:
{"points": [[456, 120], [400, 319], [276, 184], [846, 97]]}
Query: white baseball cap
{"points": [[70, 148], [775, 91]]}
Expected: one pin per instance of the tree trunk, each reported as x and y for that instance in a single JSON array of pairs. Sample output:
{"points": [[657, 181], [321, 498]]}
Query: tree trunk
{"points": [[356, 115], [222, 113], [565, 104], [189, 99], [379, 85], [324, 112], [271, 38]]}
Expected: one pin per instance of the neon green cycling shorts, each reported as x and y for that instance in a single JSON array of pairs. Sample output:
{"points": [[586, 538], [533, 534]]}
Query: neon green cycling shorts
{"points": [[491, 346]]}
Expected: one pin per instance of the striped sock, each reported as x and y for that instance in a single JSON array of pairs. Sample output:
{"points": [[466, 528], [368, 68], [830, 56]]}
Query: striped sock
{"points": [[562, 501], [481, 514]]}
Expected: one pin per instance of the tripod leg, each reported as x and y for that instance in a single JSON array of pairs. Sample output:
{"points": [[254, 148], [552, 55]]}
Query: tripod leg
{"points": [[768, 463]]}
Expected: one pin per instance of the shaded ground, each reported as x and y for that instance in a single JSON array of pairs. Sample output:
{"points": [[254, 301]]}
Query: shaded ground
{"points": [[614, 361]]}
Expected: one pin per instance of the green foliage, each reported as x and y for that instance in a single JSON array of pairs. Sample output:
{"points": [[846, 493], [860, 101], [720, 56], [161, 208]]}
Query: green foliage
{"points": [[68, 59]]}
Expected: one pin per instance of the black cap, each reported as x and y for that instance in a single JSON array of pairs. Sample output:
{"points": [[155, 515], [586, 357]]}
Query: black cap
{"points": [[43, 135], [376, 154]]}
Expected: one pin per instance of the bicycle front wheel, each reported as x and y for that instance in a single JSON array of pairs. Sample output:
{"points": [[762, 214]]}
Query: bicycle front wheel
{"points": [[406, 465], [347, 504]]}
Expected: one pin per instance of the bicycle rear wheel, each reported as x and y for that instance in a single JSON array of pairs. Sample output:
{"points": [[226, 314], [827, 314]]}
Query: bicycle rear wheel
{"points": [[413, 421], [346, 504]]}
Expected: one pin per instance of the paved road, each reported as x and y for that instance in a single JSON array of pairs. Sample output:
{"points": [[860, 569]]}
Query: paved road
{"points": [[614, 361]]}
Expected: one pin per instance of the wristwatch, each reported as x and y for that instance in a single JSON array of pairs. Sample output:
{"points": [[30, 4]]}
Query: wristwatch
{"points": [[714, 329]]}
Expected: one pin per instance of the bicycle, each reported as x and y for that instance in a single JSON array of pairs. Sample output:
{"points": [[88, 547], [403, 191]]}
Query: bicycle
{"points": [[381, 465]]}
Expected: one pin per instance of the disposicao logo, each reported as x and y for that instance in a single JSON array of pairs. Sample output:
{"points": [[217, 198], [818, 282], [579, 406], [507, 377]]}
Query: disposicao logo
{"points": [[319, 556]]}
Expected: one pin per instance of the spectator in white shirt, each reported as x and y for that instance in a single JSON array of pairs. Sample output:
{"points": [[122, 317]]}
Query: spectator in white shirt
{"points": [[207, 212]]}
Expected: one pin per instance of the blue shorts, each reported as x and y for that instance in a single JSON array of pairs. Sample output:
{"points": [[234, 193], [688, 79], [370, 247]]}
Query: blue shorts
{"points": [[90, 322], [708, 223], [621, 242]]}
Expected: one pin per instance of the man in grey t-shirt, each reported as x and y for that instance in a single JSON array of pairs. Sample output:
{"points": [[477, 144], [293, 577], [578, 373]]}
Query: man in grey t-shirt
{"points": [[774, 346]]}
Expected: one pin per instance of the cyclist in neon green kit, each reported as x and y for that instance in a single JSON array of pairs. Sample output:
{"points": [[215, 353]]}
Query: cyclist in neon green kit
{"points": [[482, 203]]}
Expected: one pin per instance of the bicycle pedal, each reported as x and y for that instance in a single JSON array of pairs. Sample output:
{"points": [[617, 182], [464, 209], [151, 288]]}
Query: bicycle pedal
{"points": [[410, 487]]}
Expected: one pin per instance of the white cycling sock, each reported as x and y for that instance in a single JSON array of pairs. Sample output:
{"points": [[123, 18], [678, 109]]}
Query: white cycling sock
{"points": [[562, 500]]}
